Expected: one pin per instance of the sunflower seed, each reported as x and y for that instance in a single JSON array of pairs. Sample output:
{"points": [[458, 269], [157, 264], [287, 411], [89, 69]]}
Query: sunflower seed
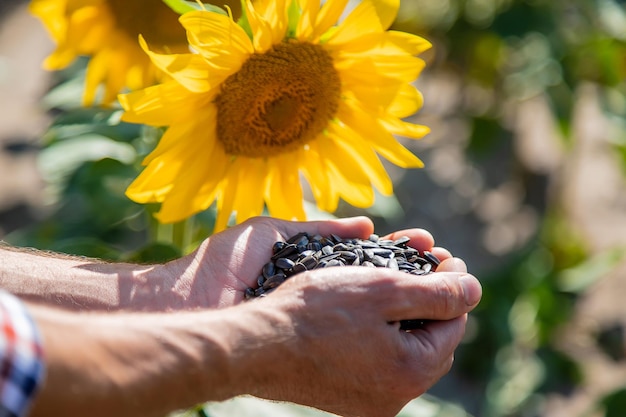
{"points": [[268, 270], [303, 252]]}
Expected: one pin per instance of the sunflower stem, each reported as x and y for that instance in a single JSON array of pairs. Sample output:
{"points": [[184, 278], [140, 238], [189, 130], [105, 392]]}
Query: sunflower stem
{"points": [[183, 234], [164, 233]]}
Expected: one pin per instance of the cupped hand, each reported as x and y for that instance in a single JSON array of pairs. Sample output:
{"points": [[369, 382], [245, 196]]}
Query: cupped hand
{"points": [[330, 338], [225, 264]]}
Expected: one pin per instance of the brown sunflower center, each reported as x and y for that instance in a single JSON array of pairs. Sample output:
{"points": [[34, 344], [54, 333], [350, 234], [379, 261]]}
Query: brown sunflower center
{"points": [[278, 100], [152, 19]]}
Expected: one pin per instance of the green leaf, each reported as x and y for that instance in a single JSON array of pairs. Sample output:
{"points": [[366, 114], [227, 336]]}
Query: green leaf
{"points": [[183, 6], [63, 158]]}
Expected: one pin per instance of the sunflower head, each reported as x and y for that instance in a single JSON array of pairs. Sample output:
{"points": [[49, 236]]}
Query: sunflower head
{"points": [[277, 101], [106, 31], [290, 91]]}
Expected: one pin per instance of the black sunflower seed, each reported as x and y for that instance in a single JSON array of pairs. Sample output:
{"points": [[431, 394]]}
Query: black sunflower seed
{"points": [[303, 252]]}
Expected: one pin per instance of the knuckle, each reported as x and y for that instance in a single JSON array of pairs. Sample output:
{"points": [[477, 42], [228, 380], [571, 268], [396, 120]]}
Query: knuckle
{"points": [[447, 295]]}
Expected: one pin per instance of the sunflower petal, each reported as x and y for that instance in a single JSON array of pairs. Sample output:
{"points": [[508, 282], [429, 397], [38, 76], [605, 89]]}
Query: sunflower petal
{"points": [[226, 198], [410, 43], [214, 35], [283, 193], [165, 164], [371, 130], [402, 128], [352, 183], [369, 86], [268, 21], [189, 70], [153, 105], [407, 102], [328, 16], [350, 144], [387, 10], [195, 191], [316, 174], [250, 185], [308, 16], [363, 19]]}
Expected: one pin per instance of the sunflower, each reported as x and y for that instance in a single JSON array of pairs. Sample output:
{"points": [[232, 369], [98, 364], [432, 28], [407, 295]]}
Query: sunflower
{"points": [[291, 90], [107, 32]]}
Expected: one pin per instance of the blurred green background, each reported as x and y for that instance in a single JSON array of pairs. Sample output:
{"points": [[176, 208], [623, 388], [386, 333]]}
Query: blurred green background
{"points": [[524, 180]]}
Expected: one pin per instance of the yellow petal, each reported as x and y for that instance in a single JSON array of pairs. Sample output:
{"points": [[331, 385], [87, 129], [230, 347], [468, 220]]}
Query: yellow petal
{"points": [[410, 43], [283, 193], [241, 191], [96, 73], [199, 132], [352, 183], [370, 129], [189, 70], [308, 17], [407, 68], [381, 43], [408, 101], [165, 164], [195, 190], [351, 146], [408, 130], [251, 183], [162, 105], [328, 16], [316, 173], [214, 35], [363, 19], [268, 21], [225, 199], [52, 16], [387, 11], [201, 167], [368, 85]]}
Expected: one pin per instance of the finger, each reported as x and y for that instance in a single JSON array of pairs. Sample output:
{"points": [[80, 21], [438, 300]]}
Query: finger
{"points": [[420, 239], [438, 339], [350, 227], [441, 253], [452, 265], [437, 296]]}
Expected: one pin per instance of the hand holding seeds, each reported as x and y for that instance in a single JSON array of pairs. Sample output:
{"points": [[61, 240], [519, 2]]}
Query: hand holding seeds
{"points": [[331, 337]]}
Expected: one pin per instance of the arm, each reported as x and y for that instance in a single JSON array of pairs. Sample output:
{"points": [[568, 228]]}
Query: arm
{"points": [[77, 283], [212, 276], [326, 338]]}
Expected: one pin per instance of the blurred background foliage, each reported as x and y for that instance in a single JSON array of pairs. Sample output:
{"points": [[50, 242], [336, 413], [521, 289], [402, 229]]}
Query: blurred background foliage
{"points": [[505, 87]]}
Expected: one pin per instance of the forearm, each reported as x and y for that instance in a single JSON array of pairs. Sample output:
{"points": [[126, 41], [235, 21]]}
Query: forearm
{"points": [[79, 283], [131, 364]]}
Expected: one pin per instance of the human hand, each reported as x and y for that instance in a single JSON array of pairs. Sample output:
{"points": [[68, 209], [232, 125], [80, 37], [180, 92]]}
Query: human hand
{"points": [[219, 271], [330, 338]]}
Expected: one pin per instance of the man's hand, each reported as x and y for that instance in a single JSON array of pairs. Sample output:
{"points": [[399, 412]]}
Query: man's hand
{"points": [[219, 271], [330, 338]]}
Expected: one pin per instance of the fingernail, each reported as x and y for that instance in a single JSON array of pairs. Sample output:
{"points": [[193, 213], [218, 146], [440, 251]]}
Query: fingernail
{"points": [[472, 291]]}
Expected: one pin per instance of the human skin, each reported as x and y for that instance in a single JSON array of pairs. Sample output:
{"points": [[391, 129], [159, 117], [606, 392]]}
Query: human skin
{"points": [[214, 275], [327, 338]]}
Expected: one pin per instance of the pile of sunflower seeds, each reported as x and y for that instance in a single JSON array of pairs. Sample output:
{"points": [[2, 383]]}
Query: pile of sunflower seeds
{"points": [[303, 252]]}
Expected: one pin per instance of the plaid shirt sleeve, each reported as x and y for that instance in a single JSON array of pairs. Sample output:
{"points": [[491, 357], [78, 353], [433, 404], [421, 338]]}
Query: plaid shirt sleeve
{"points": [[21, 357]]}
